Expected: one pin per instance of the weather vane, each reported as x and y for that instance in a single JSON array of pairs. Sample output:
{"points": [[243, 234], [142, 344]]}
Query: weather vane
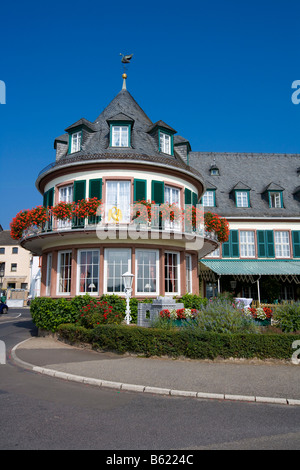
{"points": [[125, 60]]}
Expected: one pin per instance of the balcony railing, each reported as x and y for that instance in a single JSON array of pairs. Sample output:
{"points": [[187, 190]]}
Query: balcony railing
{"points": [[118, 218]]}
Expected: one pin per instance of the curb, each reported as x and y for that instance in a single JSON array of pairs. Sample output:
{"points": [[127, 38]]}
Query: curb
{"points": [[148, 389]]}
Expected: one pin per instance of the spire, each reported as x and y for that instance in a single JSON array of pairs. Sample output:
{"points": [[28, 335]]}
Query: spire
{"points": [[124, 76]]}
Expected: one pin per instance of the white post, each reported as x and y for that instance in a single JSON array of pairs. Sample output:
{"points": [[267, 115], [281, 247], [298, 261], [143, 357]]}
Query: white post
{"points": [[127, 312], [258, 291]]}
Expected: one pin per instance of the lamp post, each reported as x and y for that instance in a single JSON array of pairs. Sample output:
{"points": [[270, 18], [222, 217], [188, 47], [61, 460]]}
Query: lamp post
{"points": [[128, 279]]}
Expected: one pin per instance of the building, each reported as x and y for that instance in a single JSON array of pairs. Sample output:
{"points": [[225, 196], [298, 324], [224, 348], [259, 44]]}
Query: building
{"points": [[14, 263], [259, 195], [121, 158]]}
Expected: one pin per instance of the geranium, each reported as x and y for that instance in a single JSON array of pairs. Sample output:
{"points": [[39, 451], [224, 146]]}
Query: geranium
{"points": [[97, 313], [179, 314], [261, 313], [142, 210], [171, 212], [214, 223], [63, 210], [26, 219], [86, 207]]}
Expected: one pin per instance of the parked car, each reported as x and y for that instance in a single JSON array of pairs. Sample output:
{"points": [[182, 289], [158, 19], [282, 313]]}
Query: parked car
{"points": [[3, 308]]}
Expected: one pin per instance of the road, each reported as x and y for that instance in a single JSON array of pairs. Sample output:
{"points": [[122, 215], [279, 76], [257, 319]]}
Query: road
{"points": [[38, 412]]}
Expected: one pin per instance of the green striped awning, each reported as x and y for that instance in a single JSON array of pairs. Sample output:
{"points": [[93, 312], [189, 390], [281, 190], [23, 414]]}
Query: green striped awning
{"points": [[253, 267]]}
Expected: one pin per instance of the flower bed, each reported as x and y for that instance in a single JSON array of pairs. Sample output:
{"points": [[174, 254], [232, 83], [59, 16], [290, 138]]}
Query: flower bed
{"points": [[262, 315]]}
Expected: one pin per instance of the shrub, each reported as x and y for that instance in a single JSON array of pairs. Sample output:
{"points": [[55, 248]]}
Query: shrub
{"points": [[287, 317], [193, 301], [98, 312], [222, 316]]}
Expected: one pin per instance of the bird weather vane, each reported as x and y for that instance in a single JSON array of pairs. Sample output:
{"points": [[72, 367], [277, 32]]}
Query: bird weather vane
{"points": [[126, 60]]}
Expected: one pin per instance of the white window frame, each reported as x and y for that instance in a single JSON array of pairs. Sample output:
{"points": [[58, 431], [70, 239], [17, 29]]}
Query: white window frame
{"points": [[177, 254], [147, 292], [282, 244], [65, 194], [242, 198], [275, 199], [48, 273], [75, 142], [105, 277], [208, 199], [247, 244], [119, 204], [188, 274], [214, 254], [174, 199], [120, 136], [90, 292], [69, 277], [165, 143]]}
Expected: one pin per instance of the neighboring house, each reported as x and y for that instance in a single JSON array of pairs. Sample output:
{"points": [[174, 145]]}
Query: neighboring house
{"points": [[14, 263], [120, 158], [259, 195]]}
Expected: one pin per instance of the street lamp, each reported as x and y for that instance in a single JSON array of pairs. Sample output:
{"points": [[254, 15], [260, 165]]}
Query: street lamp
{"points": [[128, 279]]}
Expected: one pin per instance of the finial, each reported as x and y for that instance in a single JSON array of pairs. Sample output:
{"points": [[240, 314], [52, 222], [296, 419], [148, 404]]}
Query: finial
{"points": [[125, 60]]}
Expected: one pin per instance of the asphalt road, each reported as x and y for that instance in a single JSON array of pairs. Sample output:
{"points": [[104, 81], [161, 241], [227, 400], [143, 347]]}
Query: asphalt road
{"points": [[38, 412]]}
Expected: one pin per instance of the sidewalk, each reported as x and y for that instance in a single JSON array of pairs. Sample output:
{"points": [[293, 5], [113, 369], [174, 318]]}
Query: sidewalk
{"points": [[245, 380]]}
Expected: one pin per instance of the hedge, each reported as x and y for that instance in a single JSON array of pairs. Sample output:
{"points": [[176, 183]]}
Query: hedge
{"points": [[181, 342]]}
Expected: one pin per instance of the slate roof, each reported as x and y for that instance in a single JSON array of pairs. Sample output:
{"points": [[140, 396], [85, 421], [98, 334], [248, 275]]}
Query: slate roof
{"points": [[5, 239], [257, 171], [95, 144]]}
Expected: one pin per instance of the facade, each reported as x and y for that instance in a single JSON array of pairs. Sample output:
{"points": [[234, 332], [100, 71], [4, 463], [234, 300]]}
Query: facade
{"points": [[259, 194], [14, 263], [120, 159]]}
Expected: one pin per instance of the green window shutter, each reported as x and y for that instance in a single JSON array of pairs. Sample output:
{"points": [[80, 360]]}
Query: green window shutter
{"points": [[226, 249], [79, 190], [270, 243], [140, 190], [230, 249], [158, 190], [194, 199], [45, 199], [95, 188], [261, 247], [187, 196], [296, 243], [234, 239]]}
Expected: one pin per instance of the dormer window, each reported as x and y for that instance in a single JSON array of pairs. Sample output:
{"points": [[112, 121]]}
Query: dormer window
{"points": [[165, 143], [242, 199], [75, 142], [119, 136], [275, 199], [209, 198]]}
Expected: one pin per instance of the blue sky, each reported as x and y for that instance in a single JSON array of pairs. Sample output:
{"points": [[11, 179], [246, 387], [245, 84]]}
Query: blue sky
{"points": [[219, 72]]}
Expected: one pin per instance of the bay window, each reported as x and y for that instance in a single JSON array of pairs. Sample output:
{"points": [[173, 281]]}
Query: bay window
{"points": [[117, 261], [147, 269], [64, 272], [172, 273], [65, 194], [88, 272]]}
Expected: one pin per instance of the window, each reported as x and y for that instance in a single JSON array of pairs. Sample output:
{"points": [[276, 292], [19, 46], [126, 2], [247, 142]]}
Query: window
{"points": [[120, 136], [215, 253], [65, 194], [171, 273], [118, 199], [13, 267], [64, 272], [208, 199], [282, 245], [188, 274], [75, 142], [242, 198], [165, 143], [48, 273], [2, 251], [172, 196], [15, 250], [214, 171], [117, 261], [247, 244], [275, 199], [88, 271], [147, 270], [2, 269], [24, 285]]}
